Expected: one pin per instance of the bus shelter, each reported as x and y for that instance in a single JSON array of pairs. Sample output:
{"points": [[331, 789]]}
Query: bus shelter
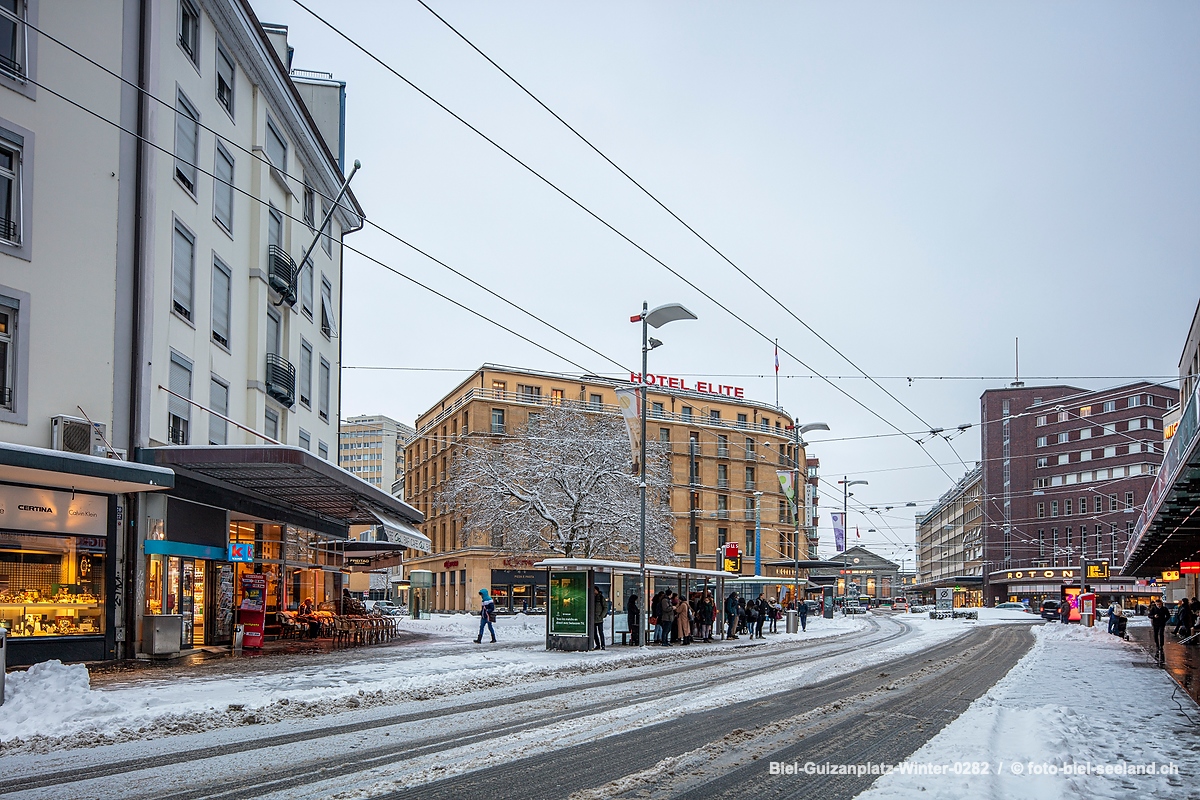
{"points": [[572, 596]]}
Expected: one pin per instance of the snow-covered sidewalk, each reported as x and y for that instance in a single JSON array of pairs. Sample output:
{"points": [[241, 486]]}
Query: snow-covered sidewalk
{"points": [[53, 701], [1081, 701]]}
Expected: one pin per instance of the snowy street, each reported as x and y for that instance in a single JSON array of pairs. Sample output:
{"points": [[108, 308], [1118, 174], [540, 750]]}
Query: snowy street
{"points": [[442, 717]]}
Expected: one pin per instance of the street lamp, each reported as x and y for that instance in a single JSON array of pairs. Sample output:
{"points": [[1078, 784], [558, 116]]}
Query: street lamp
{"points": [[799, 431], [660, 316], [846, 484]]}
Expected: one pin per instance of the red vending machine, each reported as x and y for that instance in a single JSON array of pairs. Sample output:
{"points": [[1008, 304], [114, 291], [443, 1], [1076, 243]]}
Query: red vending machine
{"points": [[252, 613]]}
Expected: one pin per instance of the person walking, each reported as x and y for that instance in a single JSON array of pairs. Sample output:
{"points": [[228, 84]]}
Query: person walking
{"points": [[1064, 611], [633, 618], [1112, 616], [731, 615], [666, 620], [599, 615], [487, 615], [802, 608], [1158, 615]]}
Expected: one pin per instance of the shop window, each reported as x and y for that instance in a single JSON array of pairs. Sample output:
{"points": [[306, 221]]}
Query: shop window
{"points": [[52, 585]]}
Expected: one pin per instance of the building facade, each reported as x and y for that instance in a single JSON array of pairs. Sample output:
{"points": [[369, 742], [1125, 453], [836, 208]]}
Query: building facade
{"points": [[724, 450], [862, 573], [950, 543], [372, 447], [1065, 471]]}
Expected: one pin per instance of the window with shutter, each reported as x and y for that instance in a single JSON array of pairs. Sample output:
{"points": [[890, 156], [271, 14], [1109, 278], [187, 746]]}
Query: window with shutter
{"points": [[306, 355], [178, 409], [221, 292], [218, 400], [187, 138], [306, 288], [223, 188], [323, 388], [276, 147], [327, 326], [225, 79], [183, 264]]}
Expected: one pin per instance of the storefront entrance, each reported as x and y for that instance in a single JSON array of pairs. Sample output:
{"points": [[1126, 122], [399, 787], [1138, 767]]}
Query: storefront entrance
{"points": [[177, 585]]}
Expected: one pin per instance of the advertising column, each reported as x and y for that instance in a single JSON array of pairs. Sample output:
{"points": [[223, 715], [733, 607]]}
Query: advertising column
{"points": [[567, 622], [252, 612]]}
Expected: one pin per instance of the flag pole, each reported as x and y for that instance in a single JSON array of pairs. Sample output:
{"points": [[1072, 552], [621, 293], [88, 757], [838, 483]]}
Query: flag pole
{"points": [[777, 374]]}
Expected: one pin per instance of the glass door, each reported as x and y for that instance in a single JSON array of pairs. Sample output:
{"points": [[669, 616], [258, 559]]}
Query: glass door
{"points": [[171, 589], [198, 607], [187, 598]]}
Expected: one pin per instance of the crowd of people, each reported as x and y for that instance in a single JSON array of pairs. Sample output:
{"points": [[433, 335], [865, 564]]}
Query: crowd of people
{"points": [[679, 620]]}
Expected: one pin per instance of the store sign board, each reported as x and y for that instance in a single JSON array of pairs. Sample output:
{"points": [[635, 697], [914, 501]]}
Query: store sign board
{"points": [[358, 561], [569, 603], [1097, 569], [241, 552], [49, 511], [1190, 567], [1170, 575]]}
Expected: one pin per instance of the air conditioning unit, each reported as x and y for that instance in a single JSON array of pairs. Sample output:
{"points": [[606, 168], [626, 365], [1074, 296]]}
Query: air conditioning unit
{"points": [[74, 435]]}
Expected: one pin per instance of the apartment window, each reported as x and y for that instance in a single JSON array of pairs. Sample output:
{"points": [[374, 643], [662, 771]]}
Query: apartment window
{"points": [[1129, 499], [499, 387], [1135, 447], [1041, 420], [310, 203], [722, 446], [218, 401], [1085, 411], [222, 283], [1112, 502], [686, 412], [1041, 510], [1041, 542], [1064, 437], [749, 447], [1086, 433], [179, 381], [1067, 507], [1054, 508], [271, 423], [183, 265], [722, 506], [306, 288], [722, 476], [274, 332], [1041, 441], [323, 380], [1083, 505], [1110, 405], [1109, 429], [305, 439], [276, 147], [306, 362], [1135, 401], [326, 308], [750, 541], [327, 231], [1085, 455], [1062, 416], [226, 73], [223, 189], [741, 420], [1043, 461], [556, 397], [722, 536], [750, 477], [1149, 424], [189, 30], [498, 420], [1064, 458], [10, 190], [1110, 452], [714, 414], [187, 140], [596, 401], [1069, 542], [530, 394], [8, 353], [1135, 424], [783, 511], [664, 435]]}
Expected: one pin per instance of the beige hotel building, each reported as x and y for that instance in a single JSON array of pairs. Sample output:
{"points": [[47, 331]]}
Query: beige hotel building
{"points": [[736, 445]]}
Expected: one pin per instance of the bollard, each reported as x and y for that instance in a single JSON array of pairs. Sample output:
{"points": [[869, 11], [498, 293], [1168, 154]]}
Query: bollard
{"points": [[3, 660], [239, 633]]}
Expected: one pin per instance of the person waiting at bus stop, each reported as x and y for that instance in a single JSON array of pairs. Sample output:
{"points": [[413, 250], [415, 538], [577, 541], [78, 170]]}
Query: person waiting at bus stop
{"points": [[599, 615], [666, 620], [633, 618], [731, 615]]}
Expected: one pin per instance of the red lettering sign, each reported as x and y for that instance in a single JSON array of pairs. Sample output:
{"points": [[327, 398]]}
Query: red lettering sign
{"points": [[702, 387], [449, 564], [1190, 567]]}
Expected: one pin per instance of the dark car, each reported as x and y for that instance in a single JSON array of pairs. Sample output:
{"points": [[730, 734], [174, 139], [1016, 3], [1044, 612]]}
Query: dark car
{"points": [[1050, 610]]}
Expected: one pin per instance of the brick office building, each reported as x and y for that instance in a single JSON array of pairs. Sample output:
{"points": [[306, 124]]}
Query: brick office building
{"points": [[1064, 472]]}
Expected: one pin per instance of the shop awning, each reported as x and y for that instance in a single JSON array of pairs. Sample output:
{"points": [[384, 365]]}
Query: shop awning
{"points": [[286, 477], [56, 469], [400, 532]]}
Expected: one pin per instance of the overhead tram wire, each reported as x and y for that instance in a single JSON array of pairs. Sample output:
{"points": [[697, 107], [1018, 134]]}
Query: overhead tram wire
{"points": [[345, 246], [579, 204], [299, 179], [770, 295], [812, 376]]}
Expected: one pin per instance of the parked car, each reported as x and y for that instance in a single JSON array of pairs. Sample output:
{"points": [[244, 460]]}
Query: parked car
{"points": [[386, 607], [1050, 610], [1013, 606], [899, 603]]}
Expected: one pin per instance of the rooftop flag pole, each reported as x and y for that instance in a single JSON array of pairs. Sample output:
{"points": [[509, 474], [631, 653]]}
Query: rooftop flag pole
{"points": [[777, 374]]}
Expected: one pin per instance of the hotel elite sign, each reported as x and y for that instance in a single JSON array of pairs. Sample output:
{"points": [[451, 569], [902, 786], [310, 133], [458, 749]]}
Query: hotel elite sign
{"points": [[703, 387]]}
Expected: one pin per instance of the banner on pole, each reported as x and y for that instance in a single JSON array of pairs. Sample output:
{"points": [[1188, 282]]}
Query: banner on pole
{"points": [[839, 531], [630, 402], [786, 480]]}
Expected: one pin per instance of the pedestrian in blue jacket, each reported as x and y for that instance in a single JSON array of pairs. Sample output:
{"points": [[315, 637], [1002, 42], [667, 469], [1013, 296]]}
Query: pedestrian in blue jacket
{"points": [[487, 615]]}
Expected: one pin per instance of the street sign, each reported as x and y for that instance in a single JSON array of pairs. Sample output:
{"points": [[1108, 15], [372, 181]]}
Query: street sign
{"points": [[945, 599], [733, 558], [1097, 570]]}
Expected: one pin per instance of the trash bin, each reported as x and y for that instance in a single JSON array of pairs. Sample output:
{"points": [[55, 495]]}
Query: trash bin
{"points": [[239, 633], [793, 621]]}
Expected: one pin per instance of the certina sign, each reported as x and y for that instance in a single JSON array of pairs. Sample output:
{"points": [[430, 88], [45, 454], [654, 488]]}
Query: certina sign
{"points": [[45, 510], [703, 387]]}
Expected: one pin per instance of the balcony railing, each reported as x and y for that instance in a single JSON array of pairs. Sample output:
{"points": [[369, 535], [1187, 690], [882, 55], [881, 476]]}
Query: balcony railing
{"points": [[281, 379], [750, 483], [722, 513], [722, 452], [722, 483], [281, 273]]}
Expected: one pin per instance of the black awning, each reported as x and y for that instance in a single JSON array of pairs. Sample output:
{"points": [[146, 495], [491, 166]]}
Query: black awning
{"points": [[287, 476], [56, 469]]}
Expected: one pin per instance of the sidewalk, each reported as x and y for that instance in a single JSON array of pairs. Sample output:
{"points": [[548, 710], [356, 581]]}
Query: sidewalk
{"points": [[1181, 662]]}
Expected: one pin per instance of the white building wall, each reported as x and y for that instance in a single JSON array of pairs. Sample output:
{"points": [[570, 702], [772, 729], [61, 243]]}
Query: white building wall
{"points": [[63, 272]]}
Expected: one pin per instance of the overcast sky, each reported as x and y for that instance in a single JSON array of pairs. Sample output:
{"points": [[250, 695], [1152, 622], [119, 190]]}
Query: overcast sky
{"points": [[920, 182]]}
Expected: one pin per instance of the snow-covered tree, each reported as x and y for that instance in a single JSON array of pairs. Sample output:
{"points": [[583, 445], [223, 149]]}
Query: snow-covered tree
{"points": [[562, 485]]}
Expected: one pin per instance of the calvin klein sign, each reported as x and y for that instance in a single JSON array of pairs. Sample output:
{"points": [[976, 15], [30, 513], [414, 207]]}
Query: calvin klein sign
{"points": [[48, 511]]}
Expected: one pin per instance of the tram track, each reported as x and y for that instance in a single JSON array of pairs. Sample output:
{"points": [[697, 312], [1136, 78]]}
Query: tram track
{"points": [[337, 765]]}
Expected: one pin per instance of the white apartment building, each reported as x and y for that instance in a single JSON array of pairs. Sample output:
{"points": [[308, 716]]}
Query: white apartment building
{"points": [[152, 280]]}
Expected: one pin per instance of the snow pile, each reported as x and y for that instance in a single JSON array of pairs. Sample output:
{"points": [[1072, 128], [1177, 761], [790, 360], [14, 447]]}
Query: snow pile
{"points": [[1075, 699], [515, 628], [48, 694]]}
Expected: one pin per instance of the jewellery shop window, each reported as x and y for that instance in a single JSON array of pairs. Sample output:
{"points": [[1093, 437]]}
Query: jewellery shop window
{"points": [[52, 585]]}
